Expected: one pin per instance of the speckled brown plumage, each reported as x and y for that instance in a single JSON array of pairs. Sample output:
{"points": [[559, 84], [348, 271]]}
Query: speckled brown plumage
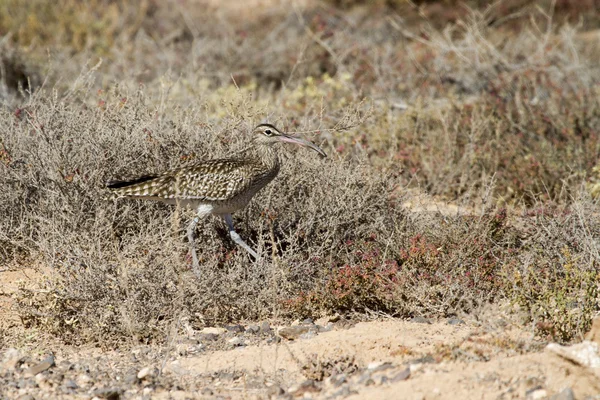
{"points": [[220, 186]]}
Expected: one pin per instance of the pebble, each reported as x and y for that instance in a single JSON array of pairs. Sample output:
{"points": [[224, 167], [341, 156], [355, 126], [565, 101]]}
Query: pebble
{"points": [[402, 375], [12, 357], [208, 337], [455, 321], [213, 330], [235, 328], [145, 372], [206, 392], [254, 329], [420, 320], [40, 367], [111, 393], [565, 394], [538, 394], [379, 366], [308, 386], [265, 327], [71, 384], [294, 332], [236, 341]]}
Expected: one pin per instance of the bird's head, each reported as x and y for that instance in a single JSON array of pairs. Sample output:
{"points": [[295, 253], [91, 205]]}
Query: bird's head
{"points": [[267, 134]]}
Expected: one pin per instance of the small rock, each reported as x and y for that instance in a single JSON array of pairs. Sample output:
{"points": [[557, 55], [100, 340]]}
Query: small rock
{"points": [[214, 330], [179, 395], [308, 386], [565, 394], [428, 359], [274, 391], [235, 328], [455, 321], [420, 320], [294, 332], [338, 380], [208, 337], [265, 327], [83, 380], [41, 366], [415, 367], [110, 393], [537, 394], [308, 335], [379, 379], [401, 376], [206, 392], [145, 372], [584, 353], [71, 384], [12, 357], [254, 329], [236, 341], [326, 328], [307, 321], [379, 366], [26, 397]]}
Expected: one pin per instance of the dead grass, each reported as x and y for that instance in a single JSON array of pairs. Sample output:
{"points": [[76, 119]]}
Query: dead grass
{"points": [[505, 122]]}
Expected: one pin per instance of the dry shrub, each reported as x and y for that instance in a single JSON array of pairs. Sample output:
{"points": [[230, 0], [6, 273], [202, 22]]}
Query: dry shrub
{"points": [[468, 113]]}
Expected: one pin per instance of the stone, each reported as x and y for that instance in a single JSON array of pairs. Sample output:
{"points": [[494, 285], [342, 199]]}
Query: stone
{"points": [[236, 341], [254, 329], [379, 379], [379, 366], [275, 391], [420, 320], [455, 321], [145, 372], [109, 393], [308, 386], [584, 353], [41, 366], [12, 358], [206, 392], [565, 394], [235, 328], [71, 384], [294, 332], [538, 394], [83, 380], [401, 376], [213, 330], [208, 337], [265, 327]]}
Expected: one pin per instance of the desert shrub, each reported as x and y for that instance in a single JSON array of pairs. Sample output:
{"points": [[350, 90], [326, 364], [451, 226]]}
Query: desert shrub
{"points": [[469, 113]]}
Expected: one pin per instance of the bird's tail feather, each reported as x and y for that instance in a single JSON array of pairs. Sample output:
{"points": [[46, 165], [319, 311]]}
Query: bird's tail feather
{"points": [[143, 186]]}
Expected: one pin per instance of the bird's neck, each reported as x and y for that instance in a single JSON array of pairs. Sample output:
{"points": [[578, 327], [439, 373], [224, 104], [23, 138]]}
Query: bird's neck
{"points": [[267, 156]]}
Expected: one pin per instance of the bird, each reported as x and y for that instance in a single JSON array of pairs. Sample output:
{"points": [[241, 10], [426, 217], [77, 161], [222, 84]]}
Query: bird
{"points": [[218, 186]]}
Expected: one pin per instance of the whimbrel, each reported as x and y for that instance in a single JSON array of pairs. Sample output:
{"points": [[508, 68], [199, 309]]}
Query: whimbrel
{"points": [[219, 186]]}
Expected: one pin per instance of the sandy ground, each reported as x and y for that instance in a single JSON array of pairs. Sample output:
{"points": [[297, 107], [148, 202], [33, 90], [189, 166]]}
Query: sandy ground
{"points": [[323, 359]]}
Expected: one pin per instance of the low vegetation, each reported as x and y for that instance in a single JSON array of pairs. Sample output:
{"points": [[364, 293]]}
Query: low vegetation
{"points": [[497, 112]]}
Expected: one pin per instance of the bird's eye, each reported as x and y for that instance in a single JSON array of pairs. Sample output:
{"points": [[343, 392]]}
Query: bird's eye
{"points": [[268, 132]]}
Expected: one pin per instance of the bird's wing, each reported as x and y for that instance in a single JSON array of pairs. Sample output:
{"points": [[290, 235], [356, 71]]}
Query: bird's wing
{"points": [[214, 180]]}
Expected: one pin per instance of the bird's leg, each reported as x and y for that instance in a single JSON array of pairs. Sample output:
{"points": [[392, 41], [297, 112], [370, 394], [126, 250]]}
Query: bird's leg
{"points": [[191, 234], [236, 237]]}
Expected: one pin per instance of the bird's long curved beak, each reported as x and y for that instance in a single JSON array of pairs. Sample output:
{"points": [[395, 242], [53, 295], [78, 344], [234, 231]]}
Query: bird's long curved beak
{"points": [[302, 142]]}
